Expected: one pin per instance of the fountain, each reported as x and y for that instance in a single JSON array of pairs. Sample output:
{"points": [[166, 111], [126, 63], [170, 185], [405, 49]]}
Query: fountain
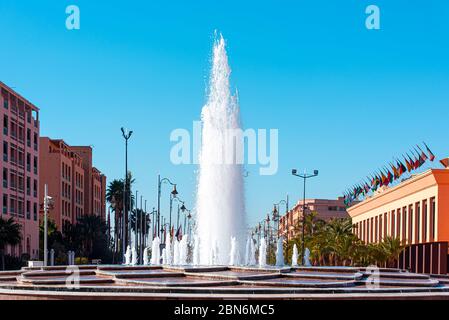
{"points": [[220, 194], [168, 250], [134, 256], [280, 252], [234, 254], [183, 250], [176, 252], [145, 256], [262, 253], [155, 251], [128, 256], [295, 256], [306, 259], [196, 251], [252, 257], [247, 251]]}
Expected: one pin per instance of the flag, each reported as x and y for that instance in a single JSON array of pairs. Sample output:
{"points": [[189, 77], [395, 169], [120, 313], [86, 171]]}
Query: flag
{"points": [[401, 166], [395, 171], [431, 155], [445, 162], [408, 163], [423, 155]]}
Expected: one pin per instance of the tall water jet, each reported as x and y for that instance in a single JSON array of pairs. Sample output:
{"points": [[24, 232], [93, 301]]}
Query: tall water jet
{"points": [[295, 256], [280, 252], [248, 251], [164, 256], [169, 250], [183, 250], [134, 259], [128, 255], [196, 251], [234, 256], [145, 256], [220, 195], [155, 251], [252, 257], [262, 253], [175, 253]]}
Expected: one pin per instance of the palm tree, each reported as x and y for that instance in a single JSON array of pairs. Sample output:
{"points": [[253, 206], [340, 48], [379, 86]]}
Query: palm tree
{"points": [[10, 234], [393, 248], [90, 230], [114, 195]]}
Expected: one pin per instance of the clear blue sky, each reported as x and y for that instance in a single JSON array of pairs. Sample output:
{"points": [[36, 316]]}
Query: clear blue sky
{"points": [[345, 99]]}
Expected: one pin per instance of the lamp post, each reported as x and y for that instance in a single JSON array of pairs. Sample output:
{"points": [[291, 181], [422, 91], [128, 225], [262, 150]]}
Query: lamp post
{"points": [[173, 194], [126, 135], [48, 201], [304, 176], [277, 215]]}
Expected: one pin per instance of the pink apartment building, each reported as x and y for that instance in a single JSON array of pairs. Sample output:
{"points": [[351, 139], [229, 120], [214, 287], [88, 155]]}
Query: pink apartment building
{"points": [[19, 165]]}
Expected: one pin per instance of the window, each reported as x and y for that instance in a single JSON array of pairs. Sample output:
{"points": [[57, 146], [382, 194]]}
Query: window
{"points": [[28, 162], [35, 211], [35, 141], [5, 178], [5, 124], [5, 151], [28, 210], [432, 219], [5, 203], [28, 137], [5, 102], [424, 220], [410, 224], [35, 188], [28, 186], [417, 221], [35, 165]]}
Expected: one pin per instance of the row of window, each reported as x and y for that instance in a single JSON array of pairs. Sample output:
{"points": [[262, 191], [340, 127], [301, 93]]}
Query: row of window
{"points": [[17, 132], [18, 107], [15, 155], [16, 207], [412, 224], [15, 181]]}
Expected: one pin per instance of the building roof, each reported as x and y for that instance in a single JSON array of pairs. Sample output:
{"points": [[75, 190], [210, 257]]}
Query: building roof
{"points": [[436, 173], [19, 96]]}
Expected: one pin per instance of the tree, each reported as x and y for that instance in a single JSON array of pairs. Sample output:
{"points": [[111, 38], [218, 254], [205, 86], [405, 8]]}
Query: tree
{"points": [[10, 234], [393, 248], [114, 196]]}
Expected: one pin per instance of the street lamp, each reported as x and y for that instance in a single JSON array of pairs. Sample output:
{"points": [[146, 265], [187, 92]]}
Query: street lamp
{"points": [[304, 176], [276, 213], [48, 203], [172, 194], [126, 135]]}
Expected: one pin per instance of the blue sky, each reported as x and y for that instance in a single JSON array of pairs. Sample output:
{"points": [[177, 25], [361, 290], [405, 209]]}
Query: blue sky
{"points": [[345, 99]]}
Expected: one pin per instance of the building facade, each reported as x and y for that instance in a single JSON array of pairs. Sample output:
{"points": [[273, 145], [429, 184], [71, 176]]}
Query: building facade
{"points": [[20, 168], [94, 183], [76, 187], [325, 209], [416, 211]]}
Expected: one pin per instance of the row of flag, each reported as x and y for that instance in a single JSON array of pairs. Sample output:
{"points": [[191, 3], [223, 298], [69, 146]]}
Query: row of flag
{"points": [[390, 173]]}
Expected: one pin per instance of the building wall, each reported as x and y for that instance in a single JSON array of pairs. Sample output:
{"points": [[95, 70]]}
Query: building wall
{"points": [[325, 209], [19, 163], [416, 211], [62, 171]]}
